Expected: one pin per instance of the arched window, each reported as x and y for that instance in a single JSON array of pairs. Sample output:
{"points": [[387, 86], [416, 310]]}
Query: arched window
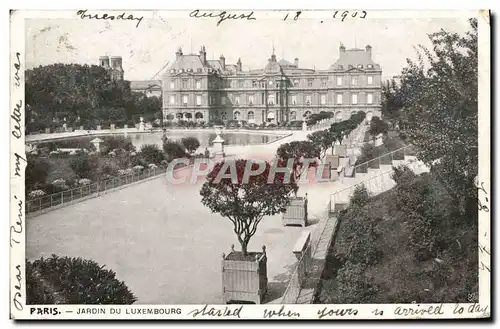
{"points": [[236, 115], [170, 117], [293, 115], [251, 115], [307, 114], [198, 115], [179, 116], [188, 115], [224, 116]]}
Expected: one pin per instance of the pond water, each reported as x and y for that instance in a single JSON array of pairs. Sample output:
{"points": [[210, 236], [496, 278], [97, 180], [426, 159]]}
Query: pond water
{"points": [[139, 139]]}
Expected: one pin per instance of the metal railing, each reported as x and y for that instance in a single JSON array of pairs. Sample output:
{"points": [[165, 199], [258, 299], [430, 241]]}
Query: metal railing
{"points": [[48, 202], [303, 266], [374, 185], [384, 159]]}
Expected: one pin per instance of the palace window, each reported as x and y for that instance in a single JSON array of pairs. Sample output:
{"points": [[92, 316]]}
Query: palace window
{"points": [[223, 100], [198, 84], [270, 99], [354, 99], [172, 85], [255, 83], [293, 115], [370, 66], [323, 99], [237, 100], [172, 99], [370, 80], [198, 100], [308, 99], [294, 99], [236, 115], [324, 82], [339, 81], [251, 115], [296, 82], [339, 98], [250, 99], [184, 100], [241, 83], [369, 99], [185, 83], [354, 81], [310, 82]]}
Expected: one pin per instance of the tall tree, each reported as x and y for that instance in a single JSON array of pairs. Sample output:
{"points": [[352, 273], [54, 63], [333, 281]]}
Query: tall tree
{"points": [[439, 94]]}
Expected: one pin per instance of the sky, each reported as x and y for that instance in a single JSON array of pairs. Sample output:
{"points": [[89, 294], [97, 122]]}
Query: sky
{"points": [[314, 38]]}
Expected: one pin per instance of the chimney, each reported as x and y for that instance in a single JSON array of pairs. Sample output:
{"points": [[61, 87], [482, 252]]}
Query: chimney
{"points": [[296, 62], [116, 62], [178, 54], [341, 49], [203, 55], [116, 67], [222, 61], [238, 65], [369, 50], [104, 61]]}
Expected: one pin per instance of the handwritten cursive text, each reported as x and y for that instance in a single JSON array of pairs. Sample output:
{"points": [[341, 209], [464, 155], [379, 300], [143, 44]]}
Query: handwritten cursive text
{"points": [[17, 229], [282, 313], [217, 312], [16, 116], [17, 287], [222, 16], [336, 312], [83, 14], [17, 67], [18, 171]]}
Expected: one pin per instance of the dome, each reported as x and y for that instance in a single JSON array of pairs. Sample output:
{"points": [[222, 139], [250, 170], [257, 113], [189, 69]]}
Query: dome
{"points": [[285, 63], [272, 67]]}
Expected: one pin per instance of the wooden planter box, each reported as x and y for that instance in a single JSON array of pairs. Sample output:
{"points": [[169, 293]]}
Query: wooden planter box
{"points": [[296, 212], [244, 280]]}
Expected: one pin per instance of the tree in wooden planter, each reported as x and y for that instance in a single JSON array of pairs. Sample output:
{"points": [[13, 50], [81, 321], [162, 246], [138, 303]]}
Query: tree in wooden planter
{"points": [[302, 155], [240, 191]]}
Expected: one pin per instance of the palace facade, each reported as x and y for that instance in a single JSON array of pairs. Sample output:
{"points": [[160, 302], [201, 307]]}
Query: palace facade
{"points": [[194, 88]]}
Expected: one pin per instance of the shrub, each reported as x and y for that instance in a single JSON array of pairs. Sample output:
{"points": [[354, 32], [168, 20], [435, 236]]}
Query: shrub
{"points": [[85, 166], [138, 168], [36, 194], [84, 181], [36, 173], [151, 153], [119, 142], [64, 280], [60, 185], [190, 143], [173, 150], [360, 196]]}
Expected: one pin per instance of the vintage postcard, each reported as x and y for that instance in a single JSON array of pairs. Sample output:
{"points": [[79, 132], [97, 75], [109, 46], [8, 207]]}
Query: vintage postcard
{"points": [[249, 164]]}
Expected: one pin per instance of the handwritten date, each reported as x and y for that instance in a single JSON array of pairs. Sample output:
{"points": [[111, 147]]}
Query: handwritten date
{"points": [[222, 16], [346, 13]]}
